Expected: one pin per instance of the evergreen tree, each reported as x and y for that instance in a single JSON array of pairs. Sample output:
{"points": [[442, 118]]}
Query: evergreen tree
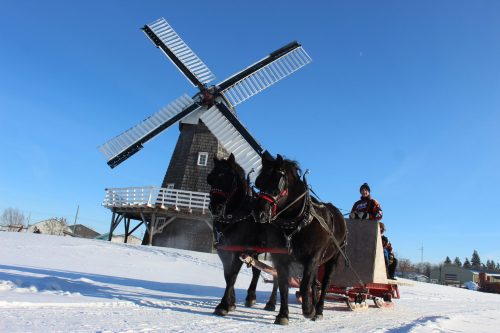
{"points": [[490, 265], [447, 261], [497, 268], [467, 264], [457, 262], [475, 260]]}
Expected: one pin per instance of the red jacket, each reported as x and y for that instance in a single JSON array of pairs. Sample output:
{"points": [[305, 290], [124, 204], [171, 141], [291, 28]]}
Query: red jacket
{"points": [[368, 205]]}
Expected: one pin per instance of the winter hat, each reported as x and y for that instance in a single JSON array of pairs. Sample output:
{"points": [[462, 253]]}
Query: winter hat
{"points": [[365, 185]]}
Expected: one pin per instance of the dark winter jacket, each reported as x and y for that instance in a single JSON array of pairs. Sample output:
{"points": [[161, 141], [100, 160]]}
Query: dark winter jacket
{"points": [[368, 205]]}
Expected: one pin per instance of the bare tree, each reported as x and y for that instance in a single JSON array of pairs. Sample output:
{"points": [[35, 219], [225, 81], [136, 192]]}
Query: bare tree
{"points": [[12, 216], [55, 226], [424, 268], [405, 266]]}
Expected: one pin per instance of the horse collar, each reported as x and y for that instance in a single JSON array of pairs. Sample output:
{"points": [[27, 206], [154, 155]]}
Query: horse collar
{"points": [[301, 220]]}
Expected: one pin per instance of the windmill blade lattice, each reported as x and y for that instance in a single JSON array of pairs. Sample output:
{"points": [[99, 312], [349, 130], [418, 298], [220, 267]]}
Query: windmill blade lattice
{"points": [[266, 76], [129, 142], [165, 37], [234, 138]]}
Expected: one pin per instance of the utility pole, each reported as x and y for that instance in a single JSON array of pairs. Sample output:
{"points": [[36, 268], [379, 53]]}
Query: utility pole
{"points": [[422, 253], [28, 223], [76, 217]]}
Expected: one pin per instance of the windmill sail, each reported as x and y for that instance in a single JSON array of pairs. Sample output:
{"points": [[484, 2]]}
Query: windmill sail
{"points": [[264, 73], [234, 137], [165, 38], [130, 142]]}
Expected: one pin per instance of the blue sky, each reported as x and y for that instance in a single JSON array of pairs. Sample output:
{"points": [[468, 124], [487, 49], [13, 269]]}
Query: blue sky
{"points": [[403, 95]]}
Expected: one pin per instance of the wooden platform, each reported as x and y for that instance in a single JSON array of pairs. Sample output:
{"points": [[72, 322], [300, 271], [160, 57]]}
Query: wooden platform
{"points": [[366, 255]]}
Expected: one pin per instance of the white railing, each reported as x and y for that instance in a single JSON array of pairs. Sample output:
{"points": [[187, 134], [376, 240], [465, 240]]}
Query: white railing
{"points": [[156, 196]]}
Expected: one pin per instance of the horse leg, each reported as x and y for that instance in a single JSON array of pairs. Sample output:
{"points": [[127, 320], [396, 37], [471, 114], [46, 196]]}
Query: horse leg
{"points": [[282, 317], [232, 265], [308, 278], [251, 298], [271, 304], [232, 301], [316, 286], [325, 284]]}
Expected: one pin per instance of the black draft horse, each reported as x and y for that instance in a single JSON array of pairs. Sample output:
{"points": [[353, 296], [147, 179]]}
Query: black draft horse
{"points": [[313, 232], [231, 203]]}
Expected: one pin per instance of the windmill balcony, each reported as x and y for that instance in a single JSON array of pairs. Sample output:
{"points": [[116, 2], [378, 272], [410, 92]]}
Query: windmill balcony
{"points": [[156, 197]]}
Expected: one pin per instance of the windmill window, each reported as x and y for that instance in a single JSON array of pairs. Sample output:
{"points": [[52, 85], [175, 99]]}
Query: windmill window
{"points": [[202, 159]]}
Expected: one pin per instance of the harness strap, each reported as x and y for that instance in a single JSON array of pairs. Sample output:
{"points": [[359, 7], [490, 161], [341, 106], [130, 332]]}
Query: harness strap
{"points": [[337, 245], [321, 221], [291, 204]]}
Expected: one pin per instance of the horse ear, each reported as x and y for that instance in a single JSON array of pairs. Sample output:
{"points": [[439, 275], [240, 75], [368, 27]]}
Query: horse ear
{"points": [[231, 159], [279, 159], [267, 158]]}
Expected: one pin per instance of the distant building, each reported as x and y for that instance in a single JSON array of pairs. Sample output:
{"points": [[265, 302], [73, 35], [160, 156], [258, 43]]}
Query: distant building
{"points": [[489, 283], [13, 228], [79, 230], [51, 226], [417, 277], [453, 275]]}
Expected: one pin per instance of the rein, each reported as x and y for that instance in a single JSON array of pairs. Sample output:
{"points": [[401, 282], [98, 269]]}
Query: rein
{"points": [[290, 205], [274, 200]]}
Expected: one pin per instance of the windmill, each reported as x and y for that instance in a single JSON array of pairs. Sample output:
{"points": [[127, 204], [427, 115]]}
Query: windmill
{"points": [[212, 108], [212, 104]]}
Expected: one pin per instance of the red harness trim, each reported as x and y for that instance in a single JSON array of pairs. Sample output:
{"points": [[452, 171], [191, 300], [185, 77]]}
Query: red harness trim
{"points": [[239, 248], [267, 198], [219, 192], [272, 200]]}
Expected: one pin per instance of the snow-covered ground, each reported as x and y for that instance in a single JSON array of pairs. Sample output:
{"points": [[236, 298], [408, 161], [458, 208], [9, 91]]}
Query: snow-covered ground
{"points": [[63, 284]]}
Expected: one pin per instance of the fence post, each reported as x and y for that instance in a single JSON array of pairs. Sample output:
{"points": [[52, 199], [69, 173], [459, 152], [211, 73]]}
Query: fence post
{"points": [[150, 196]]}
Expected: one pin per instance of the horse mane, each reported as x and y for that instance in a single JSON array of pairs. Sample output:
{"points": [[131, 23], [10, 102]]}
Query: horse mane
{"points": [[239, 171], [293, 168]]}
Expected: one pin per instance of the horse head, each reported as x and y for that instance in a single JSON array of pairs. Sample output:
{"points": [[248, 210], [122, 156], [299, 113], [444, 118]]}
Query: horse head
{"points": [[279, 184], [228, 186]]}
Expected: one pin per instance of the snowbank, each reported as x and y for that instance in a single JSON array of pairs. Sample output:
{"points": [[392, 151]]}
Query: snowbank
{"points": [[64, 284]]}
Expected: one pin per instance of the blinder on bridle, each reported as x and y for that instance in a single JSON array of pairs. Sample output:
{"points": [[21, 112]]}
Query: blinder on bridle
{"points": [[274, 200], [227, 195], [282, 182]]}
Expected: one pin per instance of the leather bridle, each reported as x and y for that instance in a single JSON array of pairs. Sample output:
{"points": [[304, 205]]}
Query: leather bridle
{"points": [[274, 200], [226, 195]]}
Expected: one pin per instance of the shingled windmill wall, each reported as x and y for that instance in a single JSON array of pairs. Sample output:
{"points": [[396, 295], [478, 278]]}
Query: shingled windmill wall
{"points": [[183, 170], [185, 174]]}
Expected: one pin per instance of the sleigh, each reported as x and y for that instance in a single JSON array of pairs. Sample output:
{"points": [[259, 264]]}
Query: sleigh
{"points": [[360, 278], [363, 277]]}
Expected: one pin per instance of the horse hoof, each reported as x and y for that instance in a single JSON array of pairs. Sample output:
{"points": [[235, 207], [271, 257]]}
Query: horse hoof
{"points": [[318, 317], [270, 307], [232, 307], [281, 320], [219, 311], [250, 302], [309, 315]]}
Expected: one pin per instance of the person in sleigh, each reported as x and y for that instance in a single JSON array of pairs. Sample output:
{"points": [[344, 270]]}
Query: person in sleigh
{"points": [[366, 208], [390, 260]]}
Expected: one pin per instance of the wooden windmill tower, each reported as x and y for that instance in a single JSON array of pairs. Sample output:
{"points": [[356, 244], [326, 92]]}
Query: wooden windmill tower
{"points": [[208, 127]]}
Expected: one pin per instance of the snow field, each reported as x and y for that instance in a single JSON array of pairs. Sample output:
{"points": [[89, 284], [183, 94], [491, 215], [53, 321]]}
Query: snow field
{"points": [[63, 284]]}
